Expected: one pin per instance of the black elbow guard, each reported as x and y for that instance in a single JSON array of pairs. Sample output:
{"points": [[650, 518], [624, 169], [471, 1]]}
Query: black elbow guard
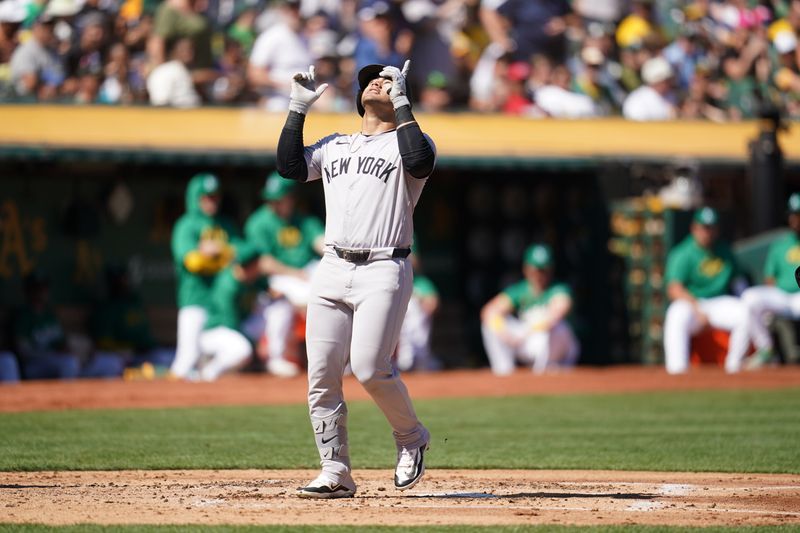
{"points": [[291, 160], [415, 150]]}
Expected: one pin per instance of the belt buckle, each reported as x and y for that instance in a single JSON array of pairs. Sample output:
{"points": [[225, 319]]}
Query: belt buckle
{"points": [[353, 256]]}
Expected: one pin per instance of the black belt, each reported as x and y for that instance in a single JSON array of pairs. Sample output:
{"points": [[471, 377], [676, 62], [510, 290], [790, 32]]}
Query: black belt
{"points": [[361, 255]]}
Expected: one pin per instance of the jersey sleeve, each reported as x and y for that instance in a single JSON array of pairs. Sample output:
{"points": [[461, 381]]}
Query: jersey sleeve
{"points": [[515, 293], [257, 233], [314, 156], [184, 240], [313, 228], [561, 289], [771, 264], [678, 267]]}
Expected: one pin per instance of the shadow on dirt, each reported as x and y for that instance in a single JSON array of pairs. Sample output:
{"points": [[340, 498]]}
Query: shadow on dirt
{"points": [[565, 495]]}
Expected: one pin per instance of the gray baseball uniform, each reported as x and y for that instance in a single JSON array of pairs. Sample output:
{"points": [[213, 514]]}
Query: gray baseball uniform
{"points": [[356, 309]]}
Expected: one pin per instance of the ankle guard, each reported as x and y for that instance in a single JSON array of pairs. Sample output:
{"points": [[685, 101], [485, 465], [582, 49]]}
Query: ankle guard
{"points": [[330, 434]]}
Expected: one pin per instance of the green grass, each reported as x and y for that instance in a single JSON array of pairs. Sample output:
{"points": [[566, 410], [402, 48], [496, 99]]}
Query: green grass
{"points": [[33, 528], [725, 431]]}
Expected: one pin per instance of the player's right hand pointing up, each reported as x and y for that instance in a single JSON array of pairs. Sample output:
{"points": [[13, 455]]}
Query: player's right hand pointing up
{"points": [[305, 91]]}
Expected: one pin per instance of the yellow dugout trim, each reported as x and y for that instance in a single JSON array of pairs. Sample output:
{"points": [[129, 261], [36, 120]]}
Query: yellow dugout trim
{"points": [[456, 135]]}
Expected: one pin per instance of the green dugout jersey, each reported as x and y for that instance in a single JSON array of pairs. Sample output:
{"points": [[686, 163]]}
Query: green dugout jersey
{"points": [[230, 300], [783, 258], [525, 300], [121, 324], [40, 331], [289, 241], [704, 273], [196, 274]]}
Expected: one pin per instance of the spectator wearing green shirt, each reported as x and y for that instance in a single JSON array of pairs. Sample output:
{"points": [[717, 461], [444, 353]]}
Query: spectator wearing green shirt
{"points": [[290, 244], [223, 346], [527, 321], [701, 274], [780, 294]]}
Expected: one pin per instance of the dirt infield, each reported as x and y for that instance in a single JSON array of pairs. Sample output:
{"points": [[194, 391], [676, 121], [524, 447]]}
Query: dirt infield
{"points": [[479, 497], [487, 497]]}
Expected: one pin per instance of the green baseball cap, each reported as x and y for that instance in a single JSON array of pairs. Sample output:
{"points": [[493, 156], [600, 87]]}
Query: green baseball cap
{"points": [[706, 216], [277, 187], [209, 183], [538, 256], [793, 205], [246, 252]]}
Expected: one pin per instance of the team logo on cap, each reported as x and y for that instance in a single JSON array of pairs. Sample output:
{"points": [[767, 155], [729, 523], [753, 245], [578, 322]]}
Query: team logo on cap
{"points": [[540, 255], [794, 203], [210, 183]]}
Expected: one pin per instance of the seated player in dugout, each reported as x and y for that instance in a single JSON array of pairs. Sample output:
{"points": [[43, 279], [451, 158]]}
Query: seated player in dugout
{"points": [[290, 244], [780, 294], [527, 321], [38, 337], [202, 246], [702, 277], [119, 325]]}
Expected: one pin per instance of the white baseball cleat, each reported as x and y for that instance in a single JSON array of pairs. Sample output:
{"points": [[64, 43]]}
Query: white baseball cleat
{"points": [[410, 467], [324, 488]]}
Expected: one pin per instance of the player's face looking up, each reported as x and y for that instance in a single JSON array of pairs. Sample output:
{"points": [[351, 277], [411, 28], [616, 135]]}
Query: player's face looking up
{"points": [[209, 204], [377, 92]]}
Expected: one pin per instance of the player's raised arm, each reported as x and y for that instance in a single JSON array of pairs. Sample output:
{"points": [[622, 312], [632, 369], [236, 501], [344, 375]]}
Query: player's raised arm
{"points": [[291, 156], [416, 151]]}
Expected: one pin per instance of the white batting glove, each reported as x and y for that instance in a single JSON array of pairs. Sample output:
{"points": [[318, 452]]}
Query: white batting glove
{"points": [[305, 91], [397, 93]]}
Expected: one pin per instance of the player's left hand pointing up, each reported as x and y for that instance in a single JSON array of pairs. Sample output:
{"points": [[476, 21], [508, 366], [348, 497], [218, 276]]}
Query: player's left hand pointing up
{"points": [[398, 90], [305, 91]]}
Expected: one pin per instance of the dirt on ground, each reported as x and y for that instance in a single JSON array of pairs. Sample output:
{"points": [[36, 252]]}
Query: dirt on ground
{"points": [[476, 497]]}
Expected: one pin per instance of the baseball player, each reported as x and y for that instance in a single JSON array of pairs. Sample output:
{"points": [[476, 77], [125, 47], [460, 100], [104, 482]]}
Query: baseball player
{"points": [[539, 334], [201, 248], [359, 292], [290, 244], [701, 272], [780, 295], [229, 301]]}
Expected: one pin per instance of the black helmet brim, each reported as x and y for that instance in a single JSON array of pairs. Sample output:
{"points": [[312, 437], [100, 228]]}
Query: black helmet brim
{"points": [[366, 75]]}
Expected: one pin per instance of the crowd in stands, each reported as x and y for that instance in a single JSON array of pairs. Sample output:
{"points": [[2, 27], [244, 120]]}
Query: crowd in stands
{"points": [[645, 59]]}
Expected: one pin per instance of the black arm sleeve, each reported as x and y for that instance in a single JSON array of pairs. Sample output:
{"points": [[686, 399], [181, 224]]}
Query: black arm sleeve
{"points": [[415, 150], [291, 153]]}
